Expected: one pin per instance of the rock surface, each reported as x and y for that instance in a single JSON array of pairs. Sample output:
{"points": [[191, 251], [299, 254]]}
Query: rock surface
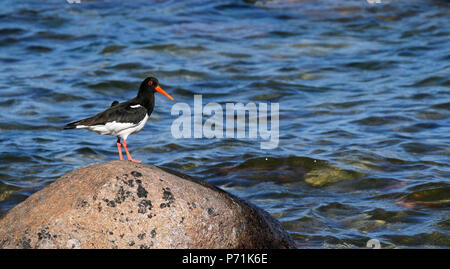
{"points": [[120, 204]]}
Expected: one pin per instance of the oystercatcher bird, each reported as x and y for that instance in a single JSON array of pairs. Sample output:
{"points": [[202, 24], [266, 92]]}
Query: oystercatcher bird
{"points": [[123, 119]]}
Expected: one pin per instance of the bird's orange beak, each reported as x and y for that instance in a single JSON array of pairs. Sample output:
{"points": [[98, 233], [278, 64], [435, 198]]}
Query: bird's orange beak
{"points": [[160, 90]]}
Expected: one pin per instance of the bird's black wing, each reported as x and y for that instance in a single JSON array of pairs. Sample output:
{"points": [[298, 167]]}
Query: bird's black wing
{"points": [[129, 112], [126, 112]]}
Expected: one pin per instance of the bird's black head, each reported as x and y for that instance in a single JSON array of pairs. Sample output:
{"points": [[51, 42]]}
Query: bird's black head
{"points": [[152, 84]]}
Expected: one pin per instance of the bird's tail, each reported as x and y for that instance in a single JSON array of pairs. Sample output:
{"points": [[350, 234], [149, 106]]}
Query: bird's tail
{"points": [[72, 125], [80, 124]]}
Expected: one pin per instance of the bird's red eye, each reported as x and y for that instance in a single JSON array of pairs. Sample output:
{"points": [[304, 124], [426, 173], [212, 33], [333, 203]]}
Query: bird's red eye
{"points": [[150, 83]]}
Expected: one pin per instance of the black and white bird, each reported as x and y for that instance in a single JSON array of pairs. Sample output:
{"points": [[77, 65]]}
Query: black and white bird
{"points": [[123, 119]]}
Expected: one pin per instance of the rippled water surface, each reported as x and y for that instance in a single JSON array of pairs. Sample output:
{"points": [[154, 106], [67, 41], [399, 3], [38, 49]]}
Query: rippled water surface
{"points": [[363, 92]]}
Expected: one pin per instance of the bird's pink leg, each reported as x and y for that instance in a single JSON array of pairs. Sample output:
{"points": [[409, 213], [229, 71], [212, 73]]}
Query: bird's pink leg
{"points": [[120, 149], [124, 144]]}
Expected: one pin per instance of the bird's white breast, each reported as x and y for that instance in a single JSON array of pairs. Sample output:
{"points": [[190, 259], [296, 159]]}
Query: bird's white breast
{"points": [[119, 129]]}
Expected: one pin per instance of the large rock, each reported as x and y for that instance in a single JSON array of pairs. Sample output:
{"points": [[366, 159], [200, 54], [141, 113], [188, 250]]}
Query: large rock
{"points": [[120, 204]]}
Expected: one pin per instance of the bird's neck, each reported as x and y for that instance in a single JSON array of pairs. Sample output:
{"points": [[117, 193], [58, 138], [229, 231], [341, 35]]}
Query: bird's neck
{"points": [[147, 100]]}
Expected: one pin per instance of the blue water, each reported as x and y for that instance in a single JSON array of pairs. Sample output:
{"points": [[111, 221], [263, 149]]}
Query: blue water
{"points": [[363, 91]]}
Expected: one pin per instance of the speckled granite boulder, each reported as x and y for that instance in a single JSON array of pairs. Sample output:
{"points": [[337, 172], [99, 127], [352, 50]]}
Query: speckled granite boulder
{"points": [[120, 204]]}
